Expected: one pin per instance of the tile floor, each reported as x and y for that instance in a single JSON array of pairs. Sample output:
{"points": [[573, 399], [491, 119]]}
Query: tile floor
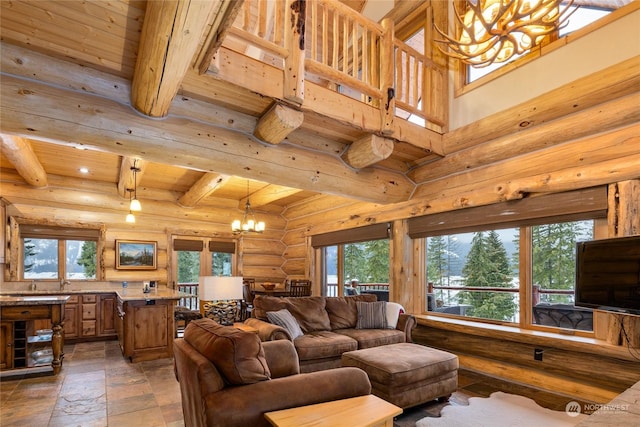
{"points": [[98, 387]]}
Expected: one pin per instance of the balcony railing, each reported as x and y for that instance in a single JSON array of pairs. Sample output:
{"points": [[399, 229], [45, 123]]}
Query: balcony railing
{"points": [[344, 51], [192, 302]]}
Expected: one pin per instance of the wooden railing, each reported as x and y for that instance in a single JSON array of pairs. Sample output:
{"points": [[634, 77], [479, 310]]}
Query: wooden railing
{"points": [[192, 303], [345, 52]]}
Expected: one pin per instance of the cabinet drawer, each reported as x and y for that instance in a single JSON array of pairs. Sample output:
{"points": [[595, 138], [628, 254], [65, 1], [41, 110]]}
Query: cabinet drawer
{"points": [[25, 312], [88, 328], [89, 298], [73, 299], [88, 311]]}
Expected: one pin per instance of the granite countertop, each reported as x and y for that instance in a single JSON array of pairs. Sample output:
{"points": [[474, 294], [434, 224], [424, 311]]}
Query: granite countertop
{"points": [[135, 294], [9, 301]]}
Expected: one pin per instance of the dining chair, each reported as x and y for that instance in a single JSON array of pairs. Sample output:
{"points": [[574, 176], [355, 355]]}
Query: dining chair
{"points": [[300, 288]]}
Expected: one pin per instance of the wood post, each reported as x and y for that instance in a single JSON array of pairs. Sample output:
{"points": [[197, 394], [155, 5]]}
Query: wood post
{"points": [[293, 86], [624, 220], [387, 84]]}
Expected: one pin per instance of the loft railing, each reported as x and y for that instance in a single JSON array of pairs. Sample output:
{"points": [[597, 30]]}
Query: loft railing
{"points": [[345, 52]]}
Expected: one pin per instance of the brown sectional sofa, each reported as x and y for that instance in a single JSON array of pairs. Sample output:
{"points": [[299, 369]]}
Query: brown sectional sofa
{"points": [[329, 327], [229, 378]]}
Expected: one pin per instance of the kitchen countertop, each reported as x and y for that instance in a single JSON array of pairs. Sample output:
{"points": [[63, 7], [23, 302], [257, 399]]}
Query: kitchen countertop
{"points": [[9, 301], [125, 294], [135, 294]]}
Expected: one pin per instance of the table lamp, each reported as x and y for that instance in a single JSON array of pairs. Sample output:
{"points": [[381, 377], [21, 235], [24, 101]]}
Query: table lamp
{"points": [[219, 296]]}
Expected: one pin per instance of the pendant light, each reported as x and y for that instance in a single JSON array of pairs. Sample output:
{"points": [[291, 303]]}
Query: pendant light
{"points": [[249, 224], [135, 203], [130, 217]]}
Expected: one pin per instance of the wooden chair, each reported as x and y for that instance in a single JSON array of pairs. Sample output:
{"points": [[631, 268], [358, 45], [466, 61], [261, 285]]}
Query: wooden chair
{"points": [[248, 284], [300, 288]]}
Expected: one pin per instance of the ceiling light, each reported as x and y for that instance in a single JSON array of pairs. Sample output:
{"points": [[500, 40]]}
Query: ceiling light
{"points": [[135, 203], [496, 30], [248, 223], [84, 170], [130, 217]]}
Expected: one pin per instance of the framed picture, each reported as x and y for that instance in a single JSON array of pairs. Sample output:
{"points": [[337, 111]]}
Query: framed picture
{"points": [[135, 255]]}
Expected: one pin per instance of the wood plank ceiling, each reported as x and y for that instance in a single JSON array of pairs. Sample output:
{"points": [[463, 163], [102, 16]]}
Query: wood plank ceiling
{"points": [[108, 37]]}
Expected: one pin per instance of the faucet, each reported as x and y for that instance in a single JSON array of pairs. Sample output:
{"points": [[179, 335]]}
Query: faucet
{"points": [[33, 285], [63, 283]]}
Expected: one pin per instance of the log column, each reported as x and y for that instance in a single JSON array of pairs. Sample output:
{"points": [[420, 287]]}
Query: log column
{"points": [[624, 220]]}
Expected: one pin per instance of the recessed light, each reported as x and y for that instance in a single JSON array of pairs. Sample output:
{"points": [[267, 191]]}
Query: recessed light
{"points": [[84, 170], [80, 147]]}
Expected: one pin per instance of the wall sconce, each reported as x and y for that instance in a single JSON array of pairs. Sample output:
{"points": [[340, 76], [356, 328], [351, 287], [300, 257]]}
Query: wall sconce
{"points": [[219, 298]]}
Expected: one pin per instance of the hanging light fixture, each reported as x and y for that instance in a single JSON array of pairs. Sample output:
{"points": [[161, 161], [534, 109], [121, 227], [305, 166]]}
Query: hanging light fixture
{"points": [[130, 217], [495, 30], [248, 223], [135, 203]]}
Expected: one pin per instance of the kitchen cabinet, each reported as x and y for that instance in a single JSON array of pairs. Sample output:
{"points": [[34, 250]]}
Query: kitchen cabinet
{"points": [[72, 318], [89, 311], [106, 320], [146, 326], [6, 345]]}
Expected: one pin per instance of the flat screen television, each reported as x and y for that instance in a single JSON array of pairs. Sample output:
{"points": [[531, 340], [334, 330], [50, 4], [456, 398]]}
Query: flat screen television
{"points": [[608, 274]]}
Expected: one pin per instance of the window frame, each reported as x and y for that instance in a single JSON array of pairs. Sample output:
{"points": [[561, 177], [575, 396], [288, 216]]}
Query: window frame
{"points": [[461, 86], [206, 254], [62, 234]]}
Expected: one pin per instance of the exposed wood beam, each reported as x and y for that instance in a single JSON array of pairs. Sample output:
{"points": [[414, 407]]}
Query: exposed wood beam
{"points": [[125, 179], [21, 155], [268, 194], [206, 185], [614, 82], [171, 33], [367, 151], [184, 142], [278, 122], [217, 32], [600, 118]]}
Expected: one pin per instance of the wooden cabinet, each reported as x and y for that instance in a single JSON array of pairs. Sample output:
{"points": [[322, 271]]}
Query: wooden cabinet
{"points": [[146, 328], [6, 345], [106, 315], [72, 317], [89, 311]]}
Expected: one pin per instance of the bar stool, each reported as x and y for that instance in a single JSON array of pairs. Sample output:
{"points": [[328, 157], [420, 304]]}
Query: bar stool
{"points": [[185, 315]]}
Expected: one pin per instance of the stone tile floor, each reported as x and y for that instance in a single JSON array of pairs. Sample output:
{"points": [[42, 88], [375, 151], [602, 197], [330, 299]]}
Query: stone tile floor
{"points": [[98, 387]]}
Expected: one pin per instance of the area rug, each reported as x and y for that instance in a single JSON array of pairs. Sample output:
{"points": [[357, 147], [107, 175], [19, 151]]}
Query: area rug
{"points": [[501, 410]]}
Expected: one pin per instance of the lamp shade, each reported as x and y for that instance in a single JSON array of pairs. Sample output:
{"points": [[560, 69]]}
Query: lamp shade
{"points": [[216, 288]]}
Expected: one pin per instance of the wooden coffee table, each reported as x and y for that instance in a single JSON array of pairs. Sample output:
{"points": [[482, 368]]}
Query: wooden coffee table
{"points": [[362, 411]]}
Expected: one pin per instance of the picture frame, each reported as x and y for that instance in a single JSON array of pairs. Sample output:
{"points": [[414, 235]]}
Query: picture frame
{"points": [[136, 255]]}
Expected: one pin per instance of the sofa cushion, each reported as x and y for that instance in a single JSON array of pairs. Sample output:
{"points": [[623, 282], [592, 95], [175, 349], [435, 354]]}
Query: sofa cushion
{"points": [[309, 311], [323, 344], [371, 315], [367, 338], [343, 312], [285, 319], [238, 355]]}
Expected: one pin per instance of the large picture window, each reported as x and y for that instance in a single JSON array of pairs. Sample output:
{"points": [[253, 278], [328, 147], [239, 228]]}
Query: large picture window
{"points": [[55, 253]]}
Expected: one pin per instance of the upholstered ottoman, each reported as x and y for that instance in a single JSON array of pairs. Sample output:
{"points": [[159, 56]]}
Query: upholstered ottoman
{"points": [[406, 374]]}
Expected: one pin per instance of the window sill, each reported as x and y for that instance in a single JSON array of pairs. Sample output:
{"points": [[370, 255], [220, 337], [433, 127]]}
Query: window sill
{"points": [[527, 336]]}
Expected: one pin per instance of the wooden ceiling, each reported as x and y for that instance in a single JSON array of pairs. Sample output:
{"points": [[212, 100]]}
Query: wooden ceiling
{"points": [[105, 37]]}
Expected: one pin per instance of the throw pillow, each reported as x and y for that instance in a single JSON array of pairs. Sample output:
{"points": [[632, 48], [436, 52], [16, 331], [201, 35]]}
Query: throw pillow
{"points": [[393, 312], [371, 315], [285, 319], [238, 355]]}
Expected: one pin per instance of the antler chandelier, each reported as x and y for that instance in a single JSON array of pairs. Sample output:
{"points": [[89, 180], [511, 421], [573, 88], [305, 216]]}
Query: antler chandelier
{"points": [[495, 30]]}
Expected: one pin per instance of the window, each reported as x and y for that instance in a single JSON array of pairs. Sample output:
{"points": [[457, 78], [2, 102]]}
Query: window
{"points": [[477, 274], [511, 262], [54, 253], [360, 254], [580, 17], [195, 257]]}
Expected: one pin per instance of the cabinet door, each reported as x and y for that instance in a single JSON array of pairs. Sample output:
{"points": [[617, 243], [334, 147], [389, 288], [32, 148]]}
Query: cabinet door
{"points": [[107, 315], [71, 321], [6, 345]]}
